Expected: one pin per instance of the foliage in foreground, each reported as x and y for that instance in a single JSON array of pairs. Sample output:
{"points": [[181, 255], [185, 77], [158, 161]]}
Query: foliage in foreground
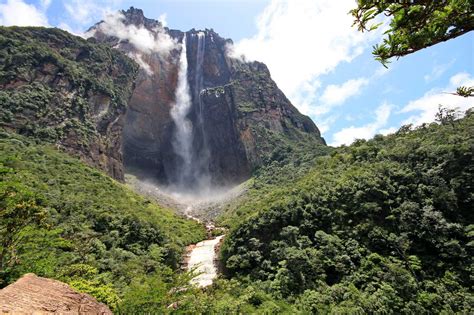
{"points": [[62, 219], [414, 25], [384, 225]]}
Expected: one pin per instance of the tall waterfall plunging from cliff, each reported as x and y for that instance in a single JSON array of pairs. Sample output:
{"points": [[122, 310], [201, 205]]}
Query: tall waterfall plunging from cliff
{"points": [[189, 142], [198, 83], [204, 154], [183, 135]]}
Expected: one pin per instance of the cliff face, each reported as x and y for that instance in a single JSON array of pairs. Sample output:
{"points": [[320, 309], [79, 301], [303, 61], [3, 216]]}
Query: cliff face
{"points": [[258, 119], [239, 115], [63, 89]]}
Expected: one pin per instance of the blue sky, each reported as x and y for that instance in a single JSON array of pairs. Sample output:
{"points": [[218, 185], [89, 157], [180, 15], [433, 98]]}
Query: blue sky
{"points": [[323, 65]]}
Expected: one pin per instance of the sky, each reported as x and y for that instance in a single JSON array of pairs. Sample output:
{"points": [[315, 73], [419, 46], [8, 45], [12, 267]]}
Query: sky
{"points": [[323, 65]]}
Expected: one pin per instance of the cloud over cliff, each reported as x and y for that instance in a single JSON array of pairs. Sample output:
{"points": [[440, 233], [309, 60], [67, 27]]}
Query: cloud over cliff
{"points": [[301, 41], [144, 40]]}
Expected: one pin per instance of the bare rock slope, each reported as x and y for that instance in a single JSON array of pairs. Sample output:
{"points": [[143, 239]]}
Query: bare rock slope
{"points": [[35, 295]]}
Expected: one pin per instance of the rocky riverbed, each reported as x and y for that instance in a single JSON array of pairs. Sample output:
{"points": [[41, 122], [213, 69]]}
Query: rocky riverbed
{"points": [[203, 205]]}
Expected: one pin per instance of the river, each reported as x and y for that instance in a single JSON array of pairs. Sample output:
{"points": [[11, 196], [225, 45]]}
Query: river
{"points": [[203, 256], [203, 259]]}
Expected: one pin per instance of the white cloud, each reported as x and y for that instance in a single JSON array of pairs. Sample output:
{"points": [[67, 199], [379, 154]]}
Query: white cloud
{"points": [[163, 18], [335, 95], [348, 135], [301, 40], [307, 94], [17, 12], [426, 107], [325, 124], [338, 94], [86, 12], [141, 38], [45, 4], [139, 59], [438, 71], [81, 11], [424, 110]]}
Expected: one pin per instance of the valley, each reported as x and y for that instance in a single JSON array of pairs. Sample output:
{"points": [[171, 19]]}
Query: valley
{"points": [[152, 170], [203, 207]]}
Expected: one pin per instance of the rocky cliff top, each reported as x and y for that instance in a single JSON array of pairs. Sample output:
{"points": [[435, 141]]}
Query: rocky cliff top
{"points": [[136, 17], [32, 294]]}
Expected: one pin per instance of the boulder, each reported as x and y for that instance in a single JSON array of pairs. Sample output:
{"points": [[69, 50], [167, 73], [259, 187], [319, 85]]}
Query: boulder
{"points": [[36, 295]]}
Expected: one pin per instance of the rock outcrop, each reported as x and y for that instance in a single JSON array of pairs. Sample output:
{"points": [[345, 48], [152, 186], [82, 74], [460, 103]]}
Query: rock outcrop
{"points": [[63, 89], [239, 115], [35, 295]]}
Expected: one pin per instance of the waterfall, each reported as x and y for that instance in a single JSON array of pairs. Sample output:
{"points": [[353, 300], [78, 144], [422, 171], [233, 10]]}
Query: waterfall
{"points": [[183, 137], [204, 154], [189, 142], [198, 84]]}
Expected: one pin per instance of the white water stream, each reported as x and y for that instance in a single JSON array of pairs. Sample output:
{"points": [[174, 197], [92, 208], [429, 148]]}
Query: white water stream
{"points": [[203, 256], [202, 259], [193, 166]]}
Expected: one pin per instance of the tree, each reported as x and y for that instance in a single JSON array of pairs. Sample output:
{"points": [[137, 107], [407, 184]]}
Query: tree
{"points": [[446, 115], [465, 91], [414, 24], [19, 208]]}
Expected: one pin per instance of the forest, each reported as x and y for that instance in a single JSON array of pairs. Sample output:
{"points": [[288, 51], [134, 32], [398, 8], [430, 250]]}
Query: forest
{"points": [[65, 220], [380, 226]]}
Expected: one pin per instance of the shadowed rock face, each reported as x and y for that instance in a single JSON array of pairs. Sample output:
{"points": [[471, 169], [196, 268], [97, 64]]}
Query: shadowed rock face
{"points": [[35, 295], [238, 113]]}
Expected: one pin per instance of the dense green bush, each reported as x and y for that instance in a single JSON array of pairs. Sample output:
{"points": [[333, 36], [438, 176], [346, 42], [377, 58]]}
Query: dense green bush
{"points": [[286, 163], [90, 231], [379, 226]]}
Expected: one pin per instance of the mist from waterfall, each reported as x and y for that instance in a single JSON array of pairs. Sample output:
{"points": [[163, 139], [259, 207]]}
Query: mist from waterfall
{"points": [[183, 136], [189, 187]]}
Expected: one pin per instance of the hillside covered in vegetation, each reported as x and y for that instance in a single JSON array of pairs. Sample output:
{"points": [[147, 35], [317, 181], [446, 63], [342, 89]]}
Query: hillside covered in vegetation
{"points": [[382, 225], [60, 88], [62, 219]]}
